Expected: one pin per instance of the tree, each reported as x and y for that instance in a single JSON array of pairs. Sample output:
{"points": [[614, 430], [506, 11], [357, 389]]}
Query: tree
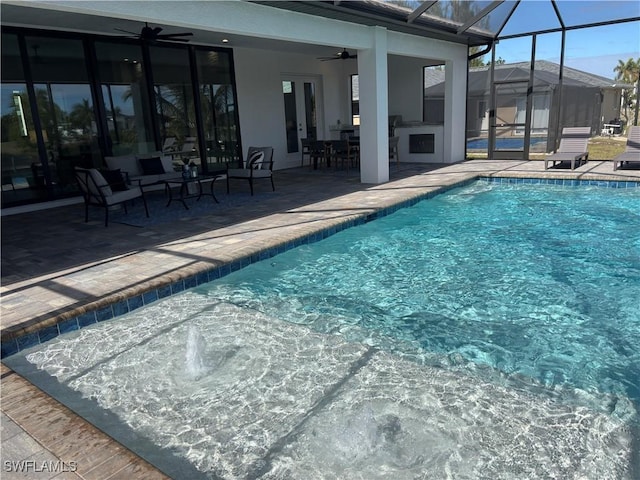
{"points": [[629, 72], [81, 117]]}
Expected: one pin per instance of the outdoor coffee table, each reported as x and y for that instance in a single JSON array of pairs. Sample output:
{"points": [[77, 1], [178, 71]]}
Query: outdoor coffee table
{"points": [[184, 184]]}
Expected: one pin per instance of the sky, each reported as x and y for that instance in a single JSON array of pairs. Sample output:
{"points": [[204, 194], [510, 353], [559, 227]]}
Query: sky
{"points": [[595, 50]]}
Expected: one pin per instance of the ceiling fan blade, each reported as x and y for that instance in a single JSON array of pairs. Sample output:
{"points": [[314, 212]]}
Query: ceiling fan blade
{"points": [[152, 34], [169, 35], [125, 31], [171, 39]]}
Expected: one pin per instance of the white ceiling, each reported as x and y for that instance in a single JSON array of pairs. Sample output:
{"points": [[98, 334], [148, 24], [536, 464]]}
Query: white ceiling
{"points": [[28, 17]]}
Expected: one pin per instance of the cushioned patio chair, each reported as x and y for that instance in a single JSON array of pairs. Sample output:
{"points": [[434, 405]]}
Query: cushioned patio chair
{"points": [[572, 148], [98, 192], [632, 149], [258, 165]]}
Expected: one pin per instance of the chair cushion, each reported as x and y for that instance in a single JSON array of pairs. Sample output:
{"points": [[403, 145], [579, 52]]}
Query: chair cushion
{"points": [[119, 197], [114, 179], [167, 160], [100, 182], [254, 159], [151, 166], [238, 173]]}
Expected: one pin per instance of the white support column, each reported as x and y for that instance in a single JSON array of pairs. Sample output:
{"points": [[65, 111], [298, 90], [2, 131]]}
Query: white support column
{"points": [[374, 110], [455, 109]]}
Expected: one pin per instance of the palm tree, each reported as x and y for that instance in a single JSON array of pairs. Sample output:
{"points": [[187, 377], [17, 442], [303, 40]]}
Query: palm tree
{"points": [[629, 72], [81, 116]]}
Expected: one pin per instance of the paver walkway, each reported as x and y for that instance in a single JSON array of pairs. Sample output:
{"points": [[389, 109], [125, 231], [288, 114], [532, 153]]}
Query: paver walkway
{"points": [[55, 266]]}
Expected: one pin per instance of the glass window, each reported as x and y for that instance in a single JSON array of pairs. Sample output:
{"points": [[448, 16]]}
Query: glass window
{"points": [[219, 114], [290, 114], [175, 105], [17, 134], [125, 97], [355, 100], [66, 110], [310, 110]]}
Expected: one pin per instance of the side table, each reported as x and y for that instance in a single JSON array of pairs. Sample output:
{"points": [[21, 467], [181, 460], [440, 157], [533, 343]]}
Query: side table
{"points": [[184, 188]]}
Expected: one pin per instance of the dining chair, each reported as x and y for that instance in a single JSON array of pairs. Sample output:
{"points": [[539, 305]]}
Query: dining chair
{"points": [[318, 153], [342, 152], [305, 150]]}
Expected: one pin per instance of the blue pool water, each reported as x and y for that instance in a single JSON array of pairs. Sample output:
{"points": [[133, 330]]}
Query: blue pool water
{"points": [[541, 281], [488, 332], [503, 143]]}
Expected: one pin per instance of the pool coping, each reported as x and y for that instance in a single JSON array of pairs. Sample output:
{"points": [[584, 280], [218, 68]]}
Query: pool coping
{"points": [[40, 330]]}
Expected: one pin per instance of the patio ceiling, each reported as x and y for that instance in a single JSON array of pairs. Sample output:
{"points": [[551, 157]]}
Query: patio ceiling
{"points": [[473, 22]]}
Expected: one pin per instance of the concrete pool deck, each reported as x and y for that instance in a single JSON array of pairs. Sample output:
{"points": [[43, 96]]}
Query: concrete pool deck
{"points": [[54, 266]]}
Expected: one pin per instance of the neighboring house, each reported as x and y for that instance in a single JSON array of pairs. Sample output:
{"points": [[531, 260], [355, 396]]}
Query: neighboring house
{"points": [[585, 99]]}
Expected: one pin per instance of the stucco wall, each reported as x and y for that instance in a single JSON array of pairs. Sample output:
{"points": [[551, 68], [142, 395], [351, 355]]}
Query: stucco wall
{"points": [[260, 99]]}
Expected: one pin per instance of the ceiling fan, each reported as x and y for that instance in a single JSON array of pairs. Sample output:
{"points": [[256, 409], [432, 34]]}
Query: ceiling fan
{"points": [[152, 34], [343, 55]]}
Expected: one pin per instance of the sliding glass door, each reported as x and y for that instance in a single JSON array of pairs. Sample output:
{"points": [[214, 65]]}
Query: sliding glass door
{"points": [[66, 112], [125, 98], [69, 100], [218, 106]]}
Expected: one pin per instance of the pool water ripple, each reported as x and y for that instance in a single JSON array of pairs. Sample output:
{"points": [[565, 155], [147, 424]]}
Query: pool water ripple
{"points": [[490, 332], [500, 274]]}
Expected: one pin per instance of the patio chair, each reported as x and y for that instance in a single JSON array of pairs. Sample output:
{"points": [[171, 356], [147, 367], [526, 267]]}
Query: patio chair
{"points": [[343, 152], [257, 166], [305, 143], [169, 145], [97, 192], [572, 148], [632, 149], [318, 153]]}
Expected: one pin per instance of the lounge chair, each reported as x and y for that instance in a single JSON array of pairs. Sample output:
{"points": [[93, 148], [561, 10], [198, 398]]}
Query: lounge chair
{"points": [[257, 166], [572, 148], [632, 150], [99, 193]]}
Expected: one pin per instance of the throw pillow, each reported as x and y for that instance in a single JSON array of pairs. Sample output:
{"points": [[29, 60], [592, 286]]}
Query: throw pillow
{"points": [[151, 166], [115, 180], [255, 159]]}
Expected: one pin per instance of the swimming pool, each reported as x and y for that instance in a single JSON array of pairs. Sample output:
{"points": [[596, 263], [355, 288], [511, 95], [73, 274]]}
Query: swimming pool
{"points": [[489, 332], [511, 143]]}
